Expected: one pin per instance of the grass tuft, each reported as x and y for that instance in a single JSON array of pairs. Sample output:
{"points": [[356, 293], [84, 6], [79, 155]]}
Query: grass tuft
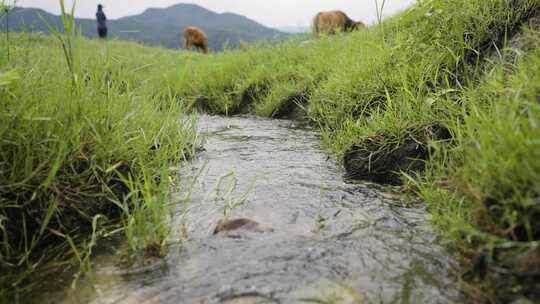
{"points": [[74, 162]]}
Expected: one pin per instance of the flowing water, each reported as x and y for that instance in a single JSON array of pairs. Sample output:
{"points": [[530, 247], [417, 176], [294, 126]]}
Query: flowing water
{"points": [[317, 239]]}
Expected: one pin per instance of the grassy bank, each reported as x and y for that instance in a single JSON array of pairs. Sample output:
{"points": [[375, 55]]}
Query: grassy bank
{"points": [[440, 97], [87, 141]]}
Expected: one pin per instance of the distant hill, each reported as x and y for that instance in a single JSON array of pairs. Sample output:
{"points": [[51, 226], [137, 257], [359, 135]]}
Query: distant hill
{"points": [[295, 29], [160, 27]]}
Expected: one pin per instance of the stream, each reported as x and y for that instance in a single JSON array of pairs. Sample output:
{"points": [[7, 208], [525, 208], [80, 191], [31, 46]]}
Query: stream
{"points": [[293, 231]]}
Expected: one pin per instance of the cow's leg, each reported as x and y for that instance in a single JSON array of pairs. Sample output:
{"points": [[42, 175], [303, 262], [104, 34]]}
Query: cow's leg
{"points": [[202, 47]]}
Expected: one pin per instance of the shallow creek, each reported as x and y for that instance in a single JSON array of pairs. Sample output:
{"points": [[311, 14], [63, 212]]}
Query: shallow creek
{"points": [[318, 238]]}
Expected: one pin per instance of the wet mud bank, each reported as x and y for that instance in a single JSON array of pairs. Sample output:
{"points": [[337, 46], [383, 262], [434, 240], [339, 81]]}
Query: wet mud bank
{"points": [[382, 157], [268, 218]]}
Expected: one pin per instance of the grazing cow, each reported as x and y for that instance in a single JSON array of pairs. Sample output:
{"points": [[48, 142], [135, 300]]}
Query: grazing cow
{"points": [[334, 21], [195, 37], [244, 45]]}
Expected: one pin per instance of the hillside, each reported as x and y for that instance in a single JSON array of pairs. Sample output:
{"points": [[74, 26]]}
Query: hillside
{"points": [[295, 29], [160, 27]]}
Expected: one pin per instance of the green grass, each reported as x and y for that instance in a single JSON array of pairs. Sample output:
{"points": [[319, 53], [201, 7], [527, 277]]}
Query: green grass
{"points": [[84, 146], [483, 189], [450, 79]]}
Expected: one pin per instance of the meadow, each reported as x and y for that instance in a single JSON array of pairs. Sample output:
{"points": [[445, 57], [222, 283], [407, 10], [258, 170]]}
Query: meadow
{"points": [[89, 146], [441, 98]]}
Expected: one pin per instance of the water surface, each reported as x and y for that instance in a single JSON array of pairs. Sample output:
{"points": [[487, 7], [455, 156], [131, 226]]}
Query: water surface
{"points": [[332, 242]]}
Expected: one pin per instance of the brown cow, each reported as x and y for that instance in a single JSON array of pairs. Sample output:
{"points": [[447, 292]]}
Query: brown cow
{"points": [[244, 45], [334, 21], [195, 37]]}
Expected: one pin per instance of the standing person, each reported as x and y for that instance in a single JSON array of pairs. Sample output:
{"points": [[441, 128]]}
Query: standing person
{"points": [[101, 22]]}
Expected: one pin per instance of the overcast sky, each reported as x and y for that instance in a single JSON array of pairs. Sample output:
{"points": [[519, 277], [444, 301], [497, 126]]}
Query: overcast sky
{"points": [[274, 13]]}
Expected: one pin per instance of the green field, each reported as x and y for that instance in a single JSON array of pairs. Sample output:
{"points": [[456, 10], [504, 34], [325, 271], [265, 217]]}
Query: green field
{"points": [[85, 150], [442, 98]]}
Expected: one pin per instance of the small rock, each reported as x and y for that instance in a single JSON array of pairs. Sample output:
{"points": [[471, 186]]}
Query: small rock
{"points": [[225, 225]]}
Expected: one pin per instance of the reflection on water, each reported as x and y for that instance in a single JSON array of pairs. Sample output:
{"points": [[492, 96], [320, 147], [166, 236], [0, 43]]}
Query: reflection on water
{"points": [[329, 242]]}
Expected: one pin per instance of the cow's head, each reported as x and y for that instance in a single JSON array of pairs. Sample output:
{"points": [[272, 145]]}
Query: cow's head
{"points": [[357, 25]]}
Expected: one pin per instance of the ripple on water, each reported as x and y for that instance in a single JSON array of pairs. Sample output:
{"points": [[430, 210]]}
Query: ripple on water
{"points": [[331, 241]]}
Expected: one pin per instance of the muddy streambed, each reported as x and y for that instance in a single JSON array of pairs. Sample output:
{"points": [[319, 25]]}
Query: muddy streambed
{"points": [[317, 239]]}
